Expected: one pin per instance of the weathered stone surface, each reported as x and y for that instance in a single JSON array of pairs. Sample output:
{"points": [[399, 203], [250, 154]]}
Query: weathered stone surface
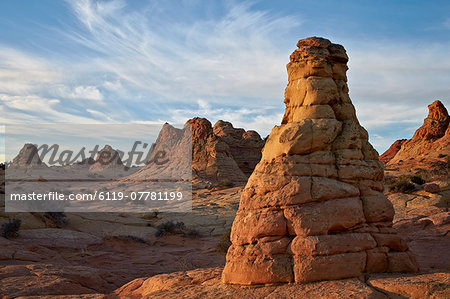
{"points": [[402, 262], [377, 260], [332, 244], [337, 266], [429, 148], [392, 241], [321, 218], [248, 226], [206, 283], [245, 146], [392, 151], [256, 269], [28, 157], [315, 198], [377, 208], [432, 188], [430, 285]]}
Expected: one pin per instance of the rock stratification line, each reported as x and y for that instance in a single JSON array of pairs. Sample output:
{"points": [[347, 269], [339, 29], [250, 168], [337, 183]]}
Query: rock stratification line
{"points": [[314, 207]]}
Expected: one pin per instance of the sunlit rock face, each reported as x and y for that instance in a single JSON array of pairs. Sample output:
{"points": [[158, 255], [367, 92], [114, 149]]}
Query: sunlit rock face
{"points": [[314, 209]]}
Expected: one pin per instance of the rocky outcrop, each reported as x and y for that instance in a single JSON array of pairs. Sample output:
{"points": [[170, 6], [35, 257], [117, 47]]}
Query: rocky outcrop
{"points": [[170, 156], [314, 207], [245, 146], [430, 145], [211, 156], [107, 158], [212, 161], [85, 162], [205, 283], [28, 157], [392, 151]]}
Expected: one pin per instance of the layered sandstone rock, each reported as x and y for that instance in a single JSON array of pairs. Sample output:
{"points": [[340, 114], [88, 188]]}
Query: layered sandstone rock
{"points": [[28, 157], [430, 145], [314, 208], [193, 152], [107, 158], [245, 146], [211, 157], [392, 151]]}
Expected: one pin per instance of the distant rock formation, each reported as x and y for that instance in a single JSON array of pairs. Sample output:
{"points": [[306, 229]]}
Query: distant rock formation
{"points": [[245, 146], [210, 151], [107, 158], [85, 162], [314, 207], [430, 145], [392, 151], [211, 156], [170, 157], [28, 157]]}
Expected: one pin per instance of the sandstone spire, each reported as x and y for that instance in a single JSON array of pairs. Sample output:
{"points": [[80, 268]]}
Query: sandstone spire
{"points": [[314, 207]]}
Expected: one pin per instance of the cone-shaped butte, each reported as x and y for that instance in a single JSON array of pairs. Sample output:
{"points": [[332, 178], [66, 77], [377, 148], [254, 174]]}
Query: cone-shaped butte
{"points": [[314, 208]]}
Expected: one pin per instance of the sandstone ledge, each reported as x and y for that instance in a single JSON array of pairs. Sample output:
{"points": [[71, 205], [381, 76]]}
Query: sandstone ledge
{"points": [[206, 283]]}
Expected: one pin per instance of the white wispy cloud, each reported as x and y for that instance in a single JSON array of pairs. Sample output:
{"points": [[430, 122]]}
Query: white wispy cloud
{"points": [[81, 92], [22, 73], [235, 55]]}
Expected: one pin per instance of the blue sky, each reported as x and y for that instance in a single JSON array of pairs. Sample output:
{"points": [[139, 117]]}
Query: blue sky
{"points": [[152, 61]]}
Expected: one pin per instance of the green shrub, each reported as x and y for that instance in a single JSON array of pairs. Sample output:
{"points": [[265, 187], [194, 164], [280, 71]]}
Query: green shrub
{"points": [[10, 229], [172, 228]]}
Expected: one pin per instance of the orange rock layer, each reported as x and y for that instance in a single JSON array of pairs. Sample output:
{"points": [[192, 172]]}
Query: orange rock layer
{"points": [[314, 207]]}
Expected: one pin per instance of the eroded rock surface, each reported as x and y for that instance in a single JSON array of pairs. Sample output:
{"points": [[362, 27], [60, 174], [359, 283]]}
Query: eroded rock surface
{"points": [[429, 148], [211, 157], [392, 151], [245, 146], [314, 207]]}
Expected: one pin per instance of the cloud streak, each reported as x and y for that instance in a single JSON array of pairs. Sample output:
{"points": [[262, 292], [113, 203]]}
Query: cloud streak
{"points": [[233, 56]]}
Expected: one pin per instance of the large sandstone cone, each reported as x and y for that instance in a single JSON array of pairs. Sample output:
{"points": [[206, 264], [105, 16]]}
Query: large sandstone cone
{"points": [[314, 208]]}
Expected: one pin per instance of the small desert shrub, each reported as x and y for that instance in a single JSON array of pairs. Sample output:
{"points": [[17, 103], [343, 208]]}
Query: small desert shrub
{"points": [[172, 228], [401, 185], [55, 219], [10, 229], [416, 179], [224, 242], [2, 166]]}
